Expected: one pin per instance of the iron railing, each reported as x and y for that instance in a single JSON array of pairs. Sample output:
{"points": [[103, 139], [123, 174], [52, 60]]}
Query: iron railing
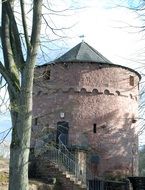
{"points": [[62, 158], [86, 176], [72, 161]]}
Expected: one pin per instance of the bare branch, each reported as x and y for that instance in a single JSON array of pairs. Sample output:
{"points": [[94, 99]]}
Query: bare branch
{"points": [[12, 85], [36, 27], [15, 40], [25, 25], [5, 136], [9, 57]]}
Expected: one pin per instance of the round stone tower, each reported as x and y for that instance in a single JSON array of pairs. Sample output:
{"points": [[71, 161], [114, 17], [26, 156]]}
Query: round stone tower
{"points": [[96, 102]]}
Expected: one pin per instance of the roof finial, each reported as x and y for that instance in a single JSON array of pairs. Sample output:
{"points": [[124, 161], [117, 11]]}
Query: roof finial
{"points": [[82, 37]]}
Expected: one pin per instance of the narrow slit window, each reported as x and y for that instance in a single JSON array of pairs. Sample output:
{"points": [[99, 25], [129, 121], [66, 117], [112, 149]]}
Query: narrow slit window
{"points": [[94, 128], [36, 121], [131, 80]]}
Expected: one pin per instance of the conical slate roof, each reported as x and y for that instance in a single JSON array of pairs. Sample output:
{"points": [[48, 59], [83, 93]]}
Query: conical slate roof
{"points": [[85, 53], [82, 53]]}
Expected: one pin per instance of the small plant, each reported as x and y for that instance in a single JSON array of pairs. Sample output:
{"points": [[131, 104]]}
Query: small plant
{"points": [[114, 176], [3, 177], [1, 157], [58, 185]]}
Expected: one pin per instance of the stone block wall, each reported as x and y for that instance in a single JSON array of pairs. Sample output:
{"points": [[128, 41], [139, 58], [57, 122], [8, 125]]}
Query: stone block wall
{"points": [[88, 94]]}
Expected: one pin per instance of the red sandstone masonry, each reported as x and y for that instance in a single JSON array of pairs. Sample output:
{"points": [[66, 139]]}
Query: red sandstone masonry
{"points": [[71, 90]]}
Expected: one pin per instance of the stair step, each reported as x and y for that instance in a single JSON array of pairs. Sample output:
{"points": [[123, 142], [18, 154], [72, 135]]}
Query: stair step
{"points": [[47, 168]]}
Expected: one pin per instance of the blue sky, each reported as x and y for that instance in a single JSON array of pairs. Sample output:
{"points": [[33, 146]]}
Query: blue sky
{"points": [[5, 125]]}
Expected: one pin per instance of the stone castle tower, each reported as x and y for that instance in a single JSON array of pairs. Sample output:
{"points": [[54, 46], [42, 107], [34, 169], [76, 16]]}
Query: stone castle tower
{"points": [[94, 104]]}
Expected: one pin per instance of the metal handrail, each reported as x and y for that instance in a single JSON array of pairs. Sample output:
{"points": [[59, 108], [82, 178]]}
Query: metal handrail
{"points": [[89, 173], [64, 149], [43, 145], [68, 154], [63, 158]]}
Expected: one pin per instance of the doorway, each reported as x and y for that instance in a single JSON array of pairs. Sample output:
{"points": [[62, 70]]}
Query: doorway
{"points": [[62, 128]]}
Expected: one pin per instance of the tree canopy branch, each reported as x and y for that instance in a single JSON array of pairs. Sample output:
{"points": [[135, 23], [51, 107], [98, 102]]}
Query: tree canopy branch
{"points": [[15, 39], [10, 56], [36, 27], [25, 25], [12, 86]]}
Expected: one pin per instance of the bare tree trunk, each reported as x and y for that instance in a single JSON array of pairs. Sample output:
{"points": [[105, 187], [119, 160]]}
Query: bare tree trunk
{"points": [[19, 152], [19, 75], [21, 114], [21, 121]]}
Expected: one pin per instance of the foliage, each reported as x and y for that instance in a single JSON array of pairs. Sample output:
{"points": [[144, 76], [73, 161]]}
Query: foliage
{"points": [[142, 161], [116, 176], [58, 185]]}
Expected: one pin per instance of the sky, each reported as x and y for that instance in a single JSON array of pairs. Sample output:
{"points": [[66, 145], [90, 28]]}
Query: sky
{"points": [[104, 28]]}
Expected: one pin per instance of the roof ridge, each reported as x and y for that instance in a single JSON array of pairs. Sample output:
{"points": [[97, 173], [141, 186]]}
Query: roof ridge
{"points": [[85, 53], [80, 44], [95, 51]]}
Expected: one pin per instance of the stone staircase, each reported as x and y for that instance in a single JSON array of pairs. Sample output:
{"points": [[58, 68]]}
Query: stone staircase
{"points": [[49, 170], [56, 161]]}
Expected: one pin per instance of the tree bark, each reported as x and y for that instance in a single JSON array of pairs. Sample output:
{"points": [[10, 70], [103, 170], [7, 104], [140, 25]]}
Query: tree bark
{"points": [[21, 114], [19, 76]]}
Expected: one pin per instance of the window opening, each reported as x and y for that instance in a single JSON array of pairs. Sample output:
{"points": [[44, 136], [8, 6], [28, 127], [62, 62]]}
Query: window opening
{"points": [[131, 80], [134, 120], [94, 128], [62, 128], [36, 121], [46, 75]]}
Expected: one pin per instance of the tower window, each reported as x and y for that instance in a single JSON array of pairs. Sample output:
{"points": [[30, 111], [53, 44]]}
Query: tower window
{"points": [[131, 80], [36, 121], [134, 120], [46, 75], [94, 128], [31, 150]]}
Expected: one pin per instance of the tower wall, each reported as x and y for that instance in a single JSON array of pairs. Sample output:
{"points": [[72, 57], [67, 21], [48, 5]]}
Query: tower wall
{"points": [[88, 94]]}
